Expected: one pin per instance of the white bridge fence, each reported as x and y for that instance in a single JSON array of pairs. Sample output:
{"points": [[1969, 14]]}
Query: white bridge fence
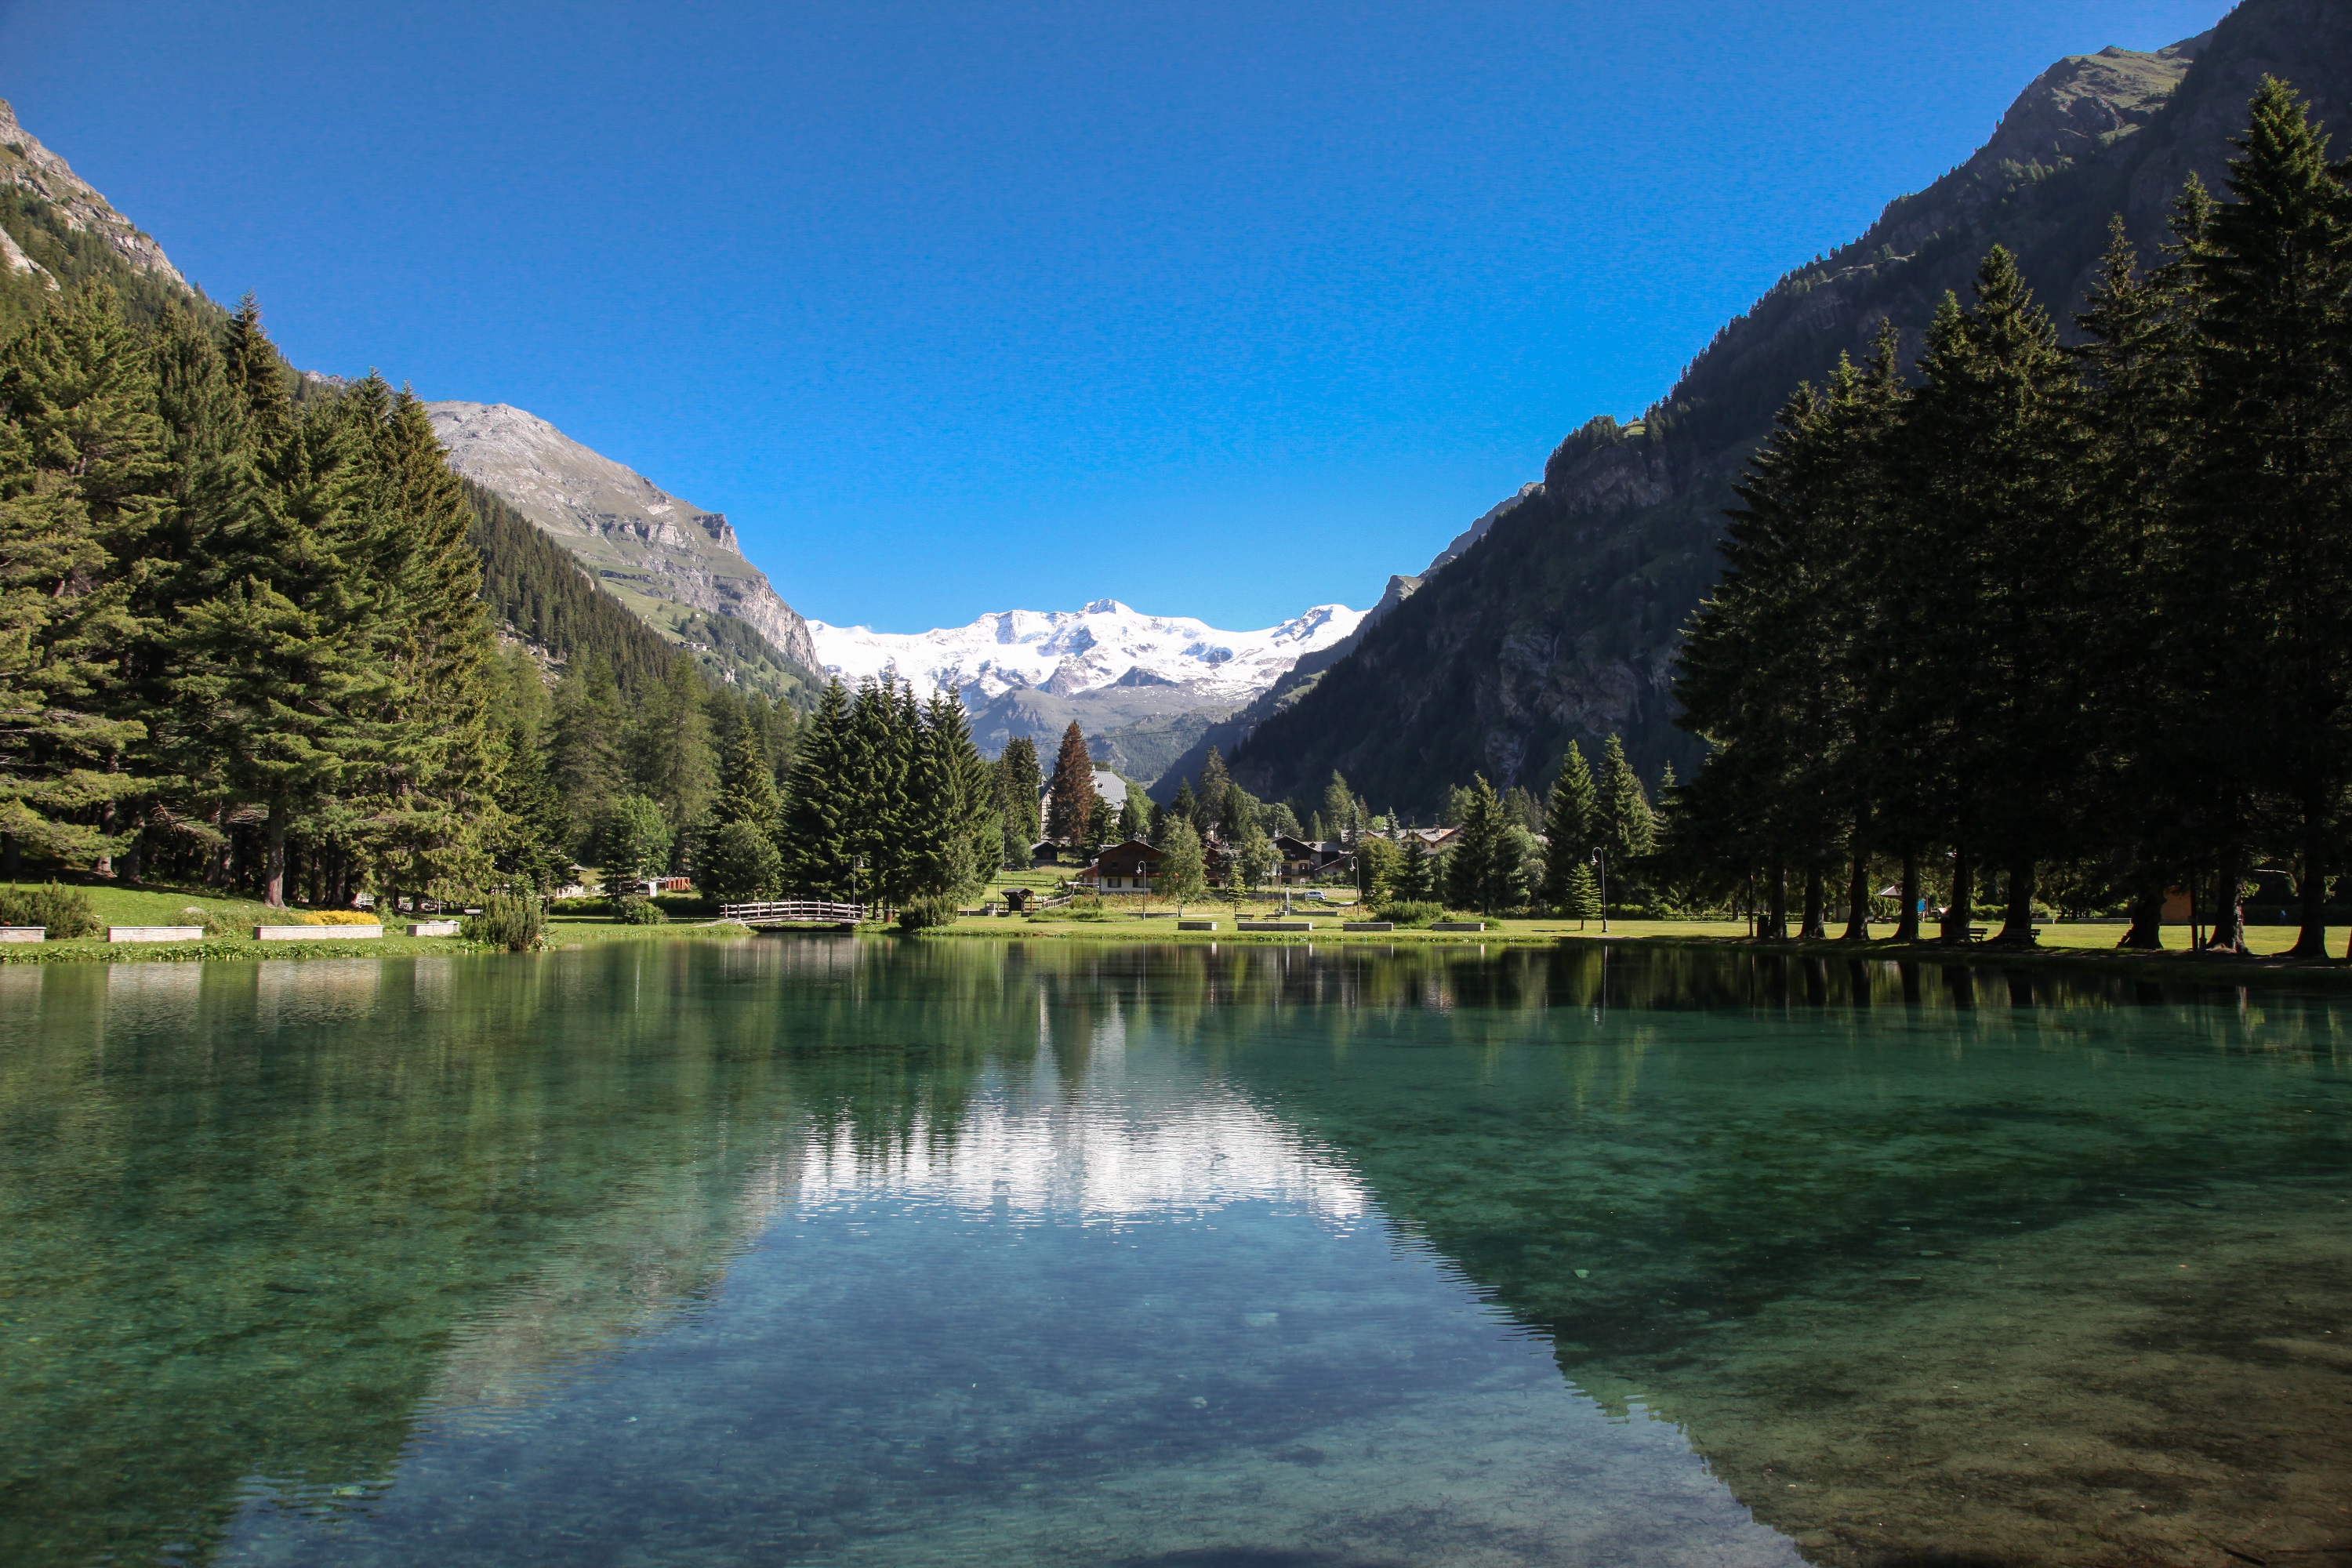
{"points": [[793, 912]]}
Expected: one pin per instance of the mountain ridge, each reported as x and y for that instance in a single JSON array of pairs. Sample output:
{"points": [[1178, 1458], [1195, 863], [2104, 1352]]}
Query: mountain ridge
{"points": [[677, 566], [1562, 621]]}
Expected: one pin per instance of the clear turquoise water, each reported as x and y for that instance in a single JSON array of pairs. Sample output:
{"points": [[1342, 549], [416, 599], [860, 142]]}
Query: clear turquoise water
{"points": [[831, 1251]]}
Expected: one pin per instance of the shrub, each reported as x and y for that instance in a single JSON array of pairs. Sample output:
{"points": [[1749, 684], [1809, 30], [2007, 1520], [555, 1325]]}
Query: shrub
{"points": [[638, 910], [341, 917], [1087, 910], [515, 921], [66, 911], [220, 922], [924, 913], [579, 906], [1412, 912]]}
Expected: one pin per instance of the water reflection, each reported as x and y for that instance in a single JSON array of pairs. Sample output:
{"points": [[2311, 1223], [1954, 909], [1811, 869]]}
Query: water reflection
{"points": [[860, 1251]]}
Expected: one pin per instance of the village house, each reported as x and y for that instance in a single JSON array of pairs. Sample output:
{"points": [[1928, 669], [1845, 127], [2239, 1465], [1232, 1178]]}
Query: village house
{"points": [[1130, 868], [1307, 858]]}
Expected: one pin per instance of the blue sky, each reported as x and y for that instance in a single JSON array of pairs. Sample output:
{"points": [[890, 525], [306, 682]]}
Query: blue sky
{"points": [[1220, 309]]}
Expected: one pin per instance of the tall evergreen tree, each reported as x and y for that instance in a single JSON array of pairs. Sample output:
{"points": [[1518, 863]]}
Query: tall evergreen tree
{"points": [[1627, 830], [1482, 865], [1071, 793], [1572, 815], [1020, 781], [820, 804], [2268, 521], [585, 757]]}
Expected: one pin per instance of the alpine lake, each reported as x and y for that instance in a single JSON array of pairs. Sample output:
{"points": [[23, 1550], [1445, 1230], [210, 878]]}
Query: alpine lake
{"points": [[843, 1250]]}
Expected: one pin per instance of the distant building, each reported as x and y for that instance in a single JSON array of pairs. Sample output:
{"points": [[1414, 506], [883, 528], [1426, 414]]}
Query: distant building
{"points": [[1129, 868], [1308, 857]]}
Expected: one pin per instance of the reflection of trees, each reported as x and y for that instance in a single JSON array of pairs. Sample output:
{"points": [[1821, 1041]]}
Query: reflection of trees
{"points": [[242, 1249], [1732, 1185], [239, 1252]]}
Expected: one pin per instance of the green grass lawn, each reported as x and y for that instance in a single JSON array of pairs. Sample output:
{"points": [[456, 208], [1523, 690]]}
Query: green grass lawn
{"points": [[119, 906]]}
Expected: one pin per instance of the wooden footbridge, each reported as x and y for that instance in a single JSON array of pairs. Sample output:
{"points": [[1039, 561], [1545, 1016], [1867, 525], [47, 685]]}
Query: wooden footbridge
{"points": [[793, 912]]}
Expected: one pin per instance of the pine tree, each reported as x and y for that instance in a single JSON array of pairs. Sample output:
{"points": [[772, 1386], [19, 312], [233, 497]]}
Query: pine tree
{"points": [[529, 834], [820, 804], [1996, 562], [1186, 805], [85, 479], [668, 746], [1071, 794], [584, 749], [1627, 830], [1482, 865], [1130, 816], [2266, 523], [746, 784], [1342, 813], [1579, 894], [1571, 815], [1020, 781], [1209, 795]]}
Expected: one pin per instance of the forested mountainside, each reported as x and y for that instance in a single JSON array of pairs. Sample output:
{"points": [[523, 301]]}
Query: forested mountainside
{"points": [[1562, 622], [672, 563]]}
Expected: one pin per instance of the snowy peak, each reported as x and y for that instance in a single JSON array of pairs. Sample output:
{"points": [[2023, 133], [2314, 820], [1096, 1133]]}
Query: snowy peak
{"points": [[1065, 652]]}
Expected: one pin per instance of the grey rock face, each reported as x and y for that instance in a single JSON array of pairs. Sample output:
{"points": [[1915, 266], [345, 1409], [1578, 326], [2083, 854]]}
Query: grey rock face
{"points": [[661, 556], [24, 162]]}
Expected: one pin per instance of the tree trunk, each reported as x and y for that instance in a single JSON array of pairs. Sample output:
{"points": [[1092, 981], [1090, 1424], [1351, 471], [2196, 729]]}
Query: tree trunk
{"points": [[2017, 929], [1816, 924], [1906, 924], [1857, 896], [2229, 914], [217, 874], [8, 856], [2146, 932], [1963, 894], [2312, 941], [1775, 904], [273, 867]]}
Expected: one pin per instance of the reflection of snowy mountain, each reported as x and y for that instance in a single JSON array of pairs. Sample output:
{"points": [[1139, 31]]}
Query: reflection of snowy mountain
{"points": [[1093, 1155], [1066, 653]]}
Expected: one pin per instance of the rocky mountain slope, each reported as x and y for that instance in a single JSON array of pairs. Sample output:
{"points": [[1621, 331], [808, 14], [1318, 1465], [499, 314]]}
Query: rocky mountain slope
{"points": [[56, 230], [1144, 687], [677, 566], [1561, 622]]}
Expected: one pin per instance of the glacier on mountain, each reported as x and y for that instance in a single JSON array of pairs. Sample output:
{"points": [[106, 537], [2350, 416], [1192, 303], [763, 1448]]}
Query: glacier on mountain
{"points": [[1066, 653]]}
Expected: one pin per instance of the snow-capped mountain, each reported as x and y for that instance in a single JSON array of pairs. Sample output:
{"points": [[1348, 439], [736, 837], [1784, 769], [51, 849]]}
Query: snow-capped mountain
{"points": [[1143, 687], [1068, 652]]}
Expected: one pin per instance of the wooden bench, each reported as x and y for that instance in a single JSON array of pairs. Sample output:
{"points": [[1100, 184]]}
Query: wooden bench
{"points": [[1457, 925], [1196, 925], [1274, 925]]}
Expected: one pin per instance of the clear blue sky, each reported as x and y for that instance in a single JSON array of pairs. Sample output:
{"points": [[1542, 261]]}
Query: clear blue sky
{"points": [[1219, 309]]}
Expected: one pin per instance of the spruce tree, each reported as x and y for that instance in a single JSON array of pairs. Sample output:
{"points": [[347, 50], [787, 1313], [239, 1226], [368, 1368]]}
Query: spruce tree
{"points": [[819, 805], [586, 741], [1209, 795], [1481, 865], [1019, 783], [2267, 528], [1130, 816], [747, 785], [1627, 828], [1571, 815]]}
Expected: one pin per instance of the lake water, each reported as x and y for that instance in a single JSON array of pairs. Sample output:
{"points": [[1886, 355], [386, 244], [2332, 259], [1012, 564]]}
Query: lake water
{"points": [[828, 1250]]}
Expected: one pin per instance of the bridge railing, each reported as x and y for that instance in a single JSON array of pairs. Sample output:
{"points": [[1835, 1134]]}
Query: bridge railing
{"points": [[793, 912]]}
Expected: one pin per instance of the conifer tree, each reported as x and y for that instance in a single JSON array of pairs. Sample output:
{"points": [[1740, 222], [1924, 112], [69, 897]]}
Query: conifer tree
{"points": [[1071, 794], [747, 785], [1209, 795], [1342, 813], [1020, 781], [1579, 894], [1997, 563], [1572, 815], [1627, 830], [1482, 865], [529, 834], [584, 750], [820, 804], [1186, 805], [668, 746], [2266, 525], [633, 840], [1130, 816]]}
